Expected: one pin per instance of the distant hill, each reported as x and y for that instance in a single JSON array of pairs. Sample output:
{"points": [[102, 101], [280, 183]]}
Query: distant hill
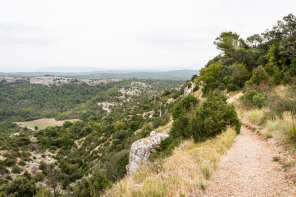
{"points": [[173, 74], [115, 74]]}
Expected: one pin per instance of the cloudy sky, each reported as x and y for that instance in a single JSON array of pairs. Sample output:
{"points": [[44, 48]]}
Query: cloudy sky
{"points": [[125, 34]]}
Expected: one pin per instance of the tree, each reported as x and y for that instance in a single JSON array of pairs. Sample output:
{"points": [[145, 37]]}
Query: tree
{"points": [[283, 28], [254, 40], [232, 47], [287, 46], [119, 126], [213, 116], [211, 76], [259, 76]]}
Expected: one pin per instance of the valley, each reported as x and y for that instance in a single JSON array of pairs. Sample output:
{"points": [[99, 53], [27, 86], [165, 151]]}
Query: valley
{"points": [[228, 131]]}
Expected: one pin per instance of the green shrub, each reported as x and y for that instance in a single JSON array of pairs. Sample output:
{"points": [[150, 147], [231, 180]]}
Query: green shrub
{"points": [[196, 87], [259, 100], [39, 176], [16, 170], [184, 105], [22, 186], [92, 186], [22, 163], [213, 116], [183, 113], [9, 162], [259, 76], [156, 122], [253, 98], [166, 148]]}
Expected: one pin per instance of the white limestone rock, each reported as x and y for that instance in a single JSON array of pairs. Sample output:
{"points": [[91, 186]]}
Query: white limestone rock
{"points": [[142, 149]]}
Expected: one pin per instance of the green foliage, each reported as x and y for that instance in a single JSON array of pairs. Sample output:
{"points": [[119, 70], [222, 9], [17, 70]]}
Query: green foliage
{"points": [[196, 87], [259, 100], [252, 97], [227, 42], [16, 170], [287, 47], [259, 76], [39, 176], [211, 76], [119, 126], [43, 101], [213, 116], [292, 133], [92, 186], [22, 186], [166, 148], [182, 115]]}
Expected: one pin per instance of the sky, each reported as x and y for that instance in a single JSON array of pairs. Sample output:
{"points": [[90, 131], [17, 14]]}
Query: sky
{"points": [[36, 35]]}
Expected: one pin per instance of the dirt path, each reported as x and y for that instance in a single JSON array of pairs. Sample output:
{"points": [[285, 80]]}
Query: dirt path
{"points": [[249, 170], [235, 97]]}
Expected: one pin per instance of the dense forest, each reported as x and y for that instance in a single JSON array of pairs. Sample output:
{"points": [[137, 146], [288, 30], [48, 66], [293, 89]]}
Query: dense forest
{"points": [[88, 156], [269, 58], [22, 101]]}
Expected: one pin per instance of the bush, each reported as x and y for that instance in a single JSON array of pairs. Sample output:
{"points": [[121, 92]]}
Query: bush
{"points": [[259, 100], [16, 170], [183, 113], [259, 76], [92, 186], [213, 117], [9, 162], [184, 105], [22, 163], [253, 98], [22, 186], [39, 176], [196, 87]]}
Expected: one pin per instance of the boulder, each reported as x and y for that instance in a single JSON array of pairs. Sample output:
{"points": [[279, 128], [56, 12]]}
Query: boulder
{"points": [[142, 149]]}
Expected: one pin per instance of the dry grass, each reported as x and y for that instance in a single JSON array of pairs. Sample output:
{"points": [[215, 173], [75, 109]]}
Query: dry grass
{"points": [[183, 174], [165, 129], [281, 126], [255, 116], [43, 123]]}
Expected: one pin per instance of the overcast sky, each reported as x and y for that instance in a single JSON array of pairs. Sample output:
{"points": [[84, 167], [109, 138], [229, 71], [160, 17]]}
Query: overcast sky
{"points": [[125, 34]]}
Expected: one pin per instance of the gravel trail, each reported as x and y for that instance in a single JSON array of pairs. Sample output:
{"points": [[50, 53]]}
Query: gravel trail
{"points": [[248, 169]]}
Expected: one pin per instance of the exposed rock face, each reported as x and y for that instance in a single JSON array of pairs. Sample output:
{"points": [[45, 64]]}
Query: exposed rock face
{"points": [[53, 80], [142, 149], [189, 90]]}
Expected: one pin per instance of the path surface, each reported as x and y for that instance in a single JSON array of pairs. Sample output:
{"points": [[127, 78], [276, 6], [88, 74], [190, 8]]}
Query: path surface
{"points": [[248, 169], [235, 97]]}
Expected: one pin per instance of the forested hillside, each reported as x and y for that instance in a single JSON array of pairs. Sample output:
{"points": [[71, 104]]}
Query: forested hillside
{"points": [[58, 158], [21, 101]]}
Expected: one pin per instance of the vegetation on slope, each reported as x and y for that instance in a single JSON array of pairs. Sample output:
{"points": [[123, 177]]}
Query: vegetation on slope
{"points": [[85, 154], [182, 174]]}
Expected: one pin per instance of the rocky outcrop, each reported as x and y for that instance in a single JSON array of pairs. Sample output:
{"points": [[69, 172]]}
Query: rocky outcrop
{"points": [[142, 149], [187, 90], [53, 80]]}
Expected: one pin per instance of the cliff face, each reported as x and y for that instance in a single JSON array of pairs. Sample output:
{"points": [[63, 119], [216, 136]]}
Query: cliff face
{"points": [[142, 149]]}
